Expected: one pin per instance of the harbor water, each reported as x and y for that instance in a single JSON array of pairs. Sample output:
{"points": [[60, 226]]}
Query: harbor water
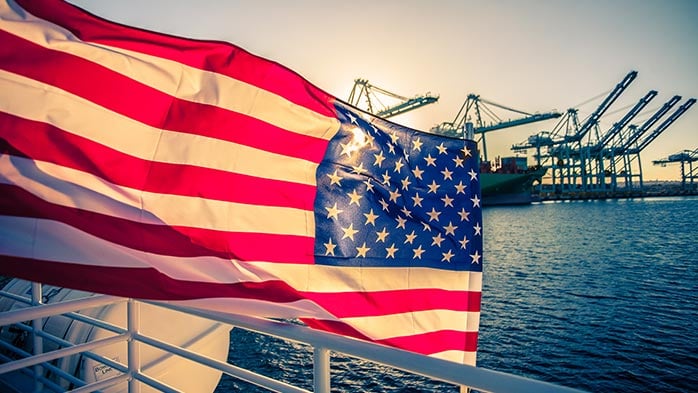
{"points": [[596, 295]]}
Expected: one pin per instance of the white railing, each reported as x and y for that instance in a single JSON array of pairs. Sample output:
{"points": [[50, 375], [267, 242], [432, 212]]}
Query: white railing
{"points": [[37, 364]]}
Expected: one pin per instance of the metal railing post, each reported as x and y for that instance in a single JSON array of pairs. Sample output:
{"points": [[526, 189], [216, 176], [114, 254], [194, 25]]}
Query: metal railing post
{"points": [[321, 370], [134, 355], [38, 342]]}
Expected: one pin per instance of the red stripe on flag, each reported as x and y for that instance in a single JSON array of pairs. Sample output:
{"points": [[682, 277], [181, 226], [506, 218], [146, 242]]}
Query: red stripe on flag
{"points": [[220, 57], [162, 239], [424, 343], [359, 304], [44, 142], [147, 105], [146, 283]]}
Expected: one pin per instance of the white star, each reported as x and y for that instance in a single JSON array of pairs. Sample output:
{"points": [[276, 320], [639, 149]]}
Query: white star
{"points": [[417, 144], [442, 148], [464, 242], [371, 218], [466, 151], [459, 162], [447, 256], [391, 251], [333, 212], [379, 159], [369, 185], [476, 201], [447, 174], [410, 238], [448, 201], [433, 187], [460, 187], [359, 169], [394, 195], [477, 229], [464, 215], [406, 211], [401, 222], [398, 165], [394, 137], [349, 232], [329, 247], [417, 200], [361, 251], [384, 204], [430, 160], [418, 252], [335, 178], [433, 215], [355, 197], [386, 178], [381, 235], [473, 174], [437, 240], [417, 172], [406, 183], [476, 257], [348, 148], [451, 229], [352, 118]]}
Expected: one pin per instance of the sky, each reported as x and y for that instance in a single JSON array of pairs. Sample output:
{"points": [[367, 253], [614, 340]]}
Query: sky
{"points": [[531, 55]]}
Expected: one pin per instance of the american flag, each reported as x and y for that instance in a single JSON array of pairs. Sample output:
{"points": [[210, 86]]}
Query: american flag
{"points": [[150, 166]]}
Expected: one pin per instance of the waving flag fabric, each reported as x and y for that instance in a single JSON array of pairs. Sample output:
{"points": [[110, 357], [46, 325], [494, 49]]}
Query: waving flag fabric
{"points": [[144, 165]]}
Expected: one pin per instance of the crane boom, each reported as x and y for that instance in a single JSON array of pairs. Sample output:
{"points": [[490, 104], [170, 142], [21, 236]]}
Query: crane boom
{"points": [[646, 125], [593, 119], [368, 92], [683, 156], [477, 104], [617, 127], [408, 105], [518, 122], [666, 123]]}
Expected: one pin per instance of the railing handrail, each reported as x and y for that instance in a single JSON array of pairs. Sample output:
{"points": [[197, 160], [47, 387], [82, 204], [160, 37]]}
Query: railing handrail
{"points": [[321, 342]]}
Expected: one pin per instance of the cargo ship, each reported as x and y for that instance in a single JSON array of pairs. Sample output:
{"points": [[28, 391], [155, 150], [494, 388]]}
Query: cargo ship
{"points": [[511, 183]]}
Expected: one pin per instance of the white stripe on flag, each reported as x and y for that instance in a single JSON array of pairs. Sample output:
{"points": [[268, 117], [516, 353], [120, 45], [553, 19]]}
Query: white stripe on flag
{"points": [[71, 188], [128, 136], [415, 322], [175, 79]]}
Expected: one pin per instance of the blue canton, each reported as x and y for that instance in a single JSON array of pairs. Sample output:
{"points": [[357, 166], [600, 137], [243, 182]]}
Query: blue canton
{"points": [[392, 196]]}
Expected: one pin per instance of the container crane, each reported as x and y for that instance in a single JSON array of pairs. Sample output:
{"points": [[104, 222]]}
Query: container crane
{"points": [[595, 161], [368, 94], [567, 125], [628, 152], [686, 157], [476, 106]]}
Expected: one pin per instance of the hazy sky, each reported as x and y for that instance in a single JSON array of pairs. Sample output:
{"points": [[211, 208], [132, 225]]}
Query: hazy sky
{"points": [[535, 56]]}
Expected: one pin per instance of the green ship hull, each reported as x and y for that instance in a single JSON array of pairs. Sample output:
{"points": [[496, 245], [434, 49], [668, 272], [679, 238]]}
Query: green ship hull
{"points": [[508, 188]]}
